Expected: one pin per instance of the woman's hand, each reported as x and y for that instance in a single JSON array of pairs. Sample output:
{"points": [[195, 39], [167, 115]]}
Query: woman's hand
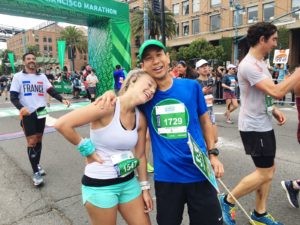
{"points": [[147, 201], [94, 157]]}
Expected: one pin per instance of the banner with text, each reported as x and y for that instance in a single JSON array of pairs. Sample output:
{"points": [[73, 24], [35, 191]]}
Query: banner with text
{"points": [[281, 56]]}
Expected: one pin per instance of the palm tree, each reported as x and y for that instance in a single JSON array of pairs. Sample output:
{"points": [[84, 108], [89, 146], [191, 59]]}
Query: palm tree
{"points": [[137, 23], [75, 39]]}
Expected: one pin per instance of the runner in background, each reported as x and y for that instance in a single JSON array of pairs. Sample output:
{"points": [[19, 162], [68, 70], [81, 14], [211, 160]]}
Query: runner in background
{"points": [[119, 78], [28, 93], [109, 184], [257, 91], [292, 187], [206, 81], [230, 84], [92, 81]]}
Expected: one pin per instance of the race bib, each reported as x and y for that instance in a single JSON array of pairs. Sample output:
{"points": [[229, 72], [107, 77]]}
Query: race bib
{"points": [[124, 163], [170, 119], [269, 104], [209, 99], [42, 113]]}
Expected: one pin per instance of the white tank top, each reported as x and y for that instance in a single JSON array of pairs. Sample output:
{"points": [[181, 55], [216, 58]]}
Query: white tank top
{"points": [[110, 140]]}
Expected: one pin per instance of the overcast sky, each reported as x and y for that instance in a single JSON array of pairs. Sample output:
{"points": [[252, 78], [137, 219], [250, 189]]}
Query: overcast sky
{"points": [[20, 22]]}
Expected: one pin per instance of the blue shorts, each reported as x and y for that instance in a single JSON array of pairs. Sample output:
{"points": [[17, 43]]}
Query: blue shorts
{"points": [[112, 195]]}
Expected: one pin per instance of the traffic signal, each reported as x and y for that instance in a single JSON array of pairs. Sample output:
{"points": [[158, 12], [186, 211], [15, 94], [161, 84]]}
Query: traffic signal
{"points": [[156, 6]]}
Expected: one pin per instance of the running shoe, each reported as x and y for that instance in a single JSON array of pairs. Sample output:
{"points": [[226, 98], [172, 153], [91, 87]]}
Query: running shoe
{"points": [[37, 179], [41, 171], [227, 211], [291, 193], [150, 168], [229, 121], [264, 220]]}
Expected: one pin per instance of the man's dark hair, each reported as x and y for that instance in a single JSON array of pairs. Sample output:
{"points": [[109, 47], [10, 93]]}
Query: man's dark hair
{"points": [[93, 70], [118, 67], [260, 29], [26, 54]]}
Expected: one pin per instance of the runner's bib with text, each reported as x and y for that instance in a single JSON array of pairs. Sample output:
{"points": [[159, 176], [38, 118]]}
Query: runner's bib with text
{"points": [[170, 119], [41, 113], [124, 163], [209, 99], [202, 162], [269, 105]]}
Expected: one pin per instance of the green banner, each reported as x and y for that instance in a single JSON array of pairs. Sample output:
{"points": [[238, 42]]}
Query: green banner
{"points": [[11, 59], [61, 48], [80, 12]]}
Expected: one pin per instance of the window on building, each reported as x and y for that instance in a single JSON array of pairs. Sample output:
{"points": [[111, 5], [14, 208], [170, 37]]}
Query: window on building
{"points": [[195, 26], [196, 6], [296, 5], [252, 14], [268, 11], [185, 8], [44, 39], [50, 48], [215, 2], [176, 9], [240, 17], [84, 57], [37, 39], [50, 55], [185, 28], [49, 39], [215, 22], [45, 48], [177, 29]]}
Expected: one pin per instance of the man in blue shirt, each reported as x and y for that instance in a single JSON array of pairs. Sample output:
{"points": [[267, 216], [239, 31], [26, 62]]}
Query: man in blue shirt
{"points": [[119, 77], [179, 107]]}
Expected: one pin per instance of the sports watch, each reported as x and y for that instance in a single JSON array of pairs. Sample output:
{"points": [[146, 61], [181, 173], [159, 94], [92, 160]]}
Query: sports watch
{"points": [[213, 151]]}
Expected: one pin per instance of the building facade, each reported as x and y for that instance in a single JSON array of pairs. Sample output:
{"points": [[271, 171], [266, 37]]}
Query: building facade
{"points": [[214, 19], [45, 38]]}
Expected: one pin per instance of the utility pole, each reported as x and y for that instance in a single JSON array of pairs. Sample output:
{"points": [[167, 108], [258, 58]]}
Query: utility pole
{"points": [[234, 5], [146, 25], [163, 23], [24, 41]]}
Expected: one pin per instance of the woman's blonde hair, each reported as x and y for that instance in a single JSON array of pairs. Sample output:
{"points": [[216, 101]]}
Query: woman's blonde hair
{"points": [[132, 77]]}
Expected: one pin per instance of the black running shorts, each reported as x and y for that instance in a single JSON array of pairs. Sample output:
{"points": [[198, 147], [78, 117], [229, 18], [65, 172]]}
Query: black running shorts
{"points": [[201, 199], [32, 125], [261, 146]]}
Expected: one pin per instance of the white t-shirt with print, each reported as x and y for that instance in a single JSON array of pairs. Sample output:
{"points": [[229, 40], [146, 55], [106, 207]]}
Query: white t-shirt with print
{"points": [[253, 114], [92, 80], [32, 89]]}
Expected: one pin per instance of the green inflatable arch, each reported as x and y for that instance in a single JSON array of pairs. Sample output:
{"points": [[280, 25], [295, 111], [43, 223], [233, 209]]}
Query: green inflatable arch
{"points": [[108, 28]]}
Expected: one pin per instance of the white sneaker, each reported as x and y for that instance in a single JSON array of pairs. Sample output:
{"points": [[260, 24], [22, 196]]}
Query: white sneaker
{"points": [[41, 171], [37, 179]]}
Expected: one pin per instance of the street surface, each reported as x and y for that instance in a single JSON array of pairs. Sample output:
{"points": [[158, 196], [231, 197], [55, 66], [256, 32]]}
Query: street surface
{"points": [[58, 202]]}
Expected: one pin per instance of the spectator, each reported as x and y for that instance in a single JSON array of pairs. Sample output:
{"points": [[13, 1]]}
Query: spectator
{"points": [[119, 77]]}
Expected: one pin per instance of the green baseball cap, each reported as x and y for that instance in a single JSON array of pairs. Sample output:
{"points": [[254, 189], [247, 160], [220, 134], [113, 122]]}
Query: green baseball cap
{"points": [[147, 43]]}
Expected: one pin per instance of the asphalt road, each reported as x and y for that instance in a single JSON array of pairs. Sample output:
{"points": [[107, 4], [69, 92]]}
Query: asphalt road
{"points": [[58, 202]]}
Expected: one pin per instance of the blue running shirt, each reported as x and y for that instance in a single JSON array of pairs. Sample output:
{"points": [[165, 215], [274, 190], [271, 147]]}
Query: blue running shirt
{"points": [[170, 114]]}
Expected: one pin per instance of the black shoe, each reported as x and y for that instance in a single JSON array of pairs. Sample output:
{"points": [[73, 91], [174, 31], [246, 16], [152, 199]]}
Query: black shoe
{"points": [[291, 193]]}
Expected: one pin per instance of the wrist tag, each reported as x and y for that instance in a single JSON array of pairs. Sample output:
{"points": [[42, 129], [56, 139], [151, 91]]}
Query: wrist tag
{"points": [[42, 113], [124, 163]]}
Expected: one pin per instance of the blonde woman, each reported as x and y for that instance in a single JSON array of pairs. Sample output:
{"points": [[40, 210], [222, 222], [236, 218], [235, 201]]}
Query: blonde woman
{"points": [[109, 184]]}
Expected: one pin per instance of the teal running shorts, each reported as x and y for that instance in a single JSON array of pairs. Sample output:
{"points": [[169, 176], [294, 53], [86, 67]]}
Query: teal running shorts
{"points": [[112, 195]]}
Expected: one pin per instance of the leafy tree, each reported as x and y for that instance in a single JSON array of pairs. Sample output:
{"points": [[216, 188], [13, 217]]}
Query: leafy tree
{"points": [[75, 39], [4, 59], [137, 23], [200, 49], [34, 49]]}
